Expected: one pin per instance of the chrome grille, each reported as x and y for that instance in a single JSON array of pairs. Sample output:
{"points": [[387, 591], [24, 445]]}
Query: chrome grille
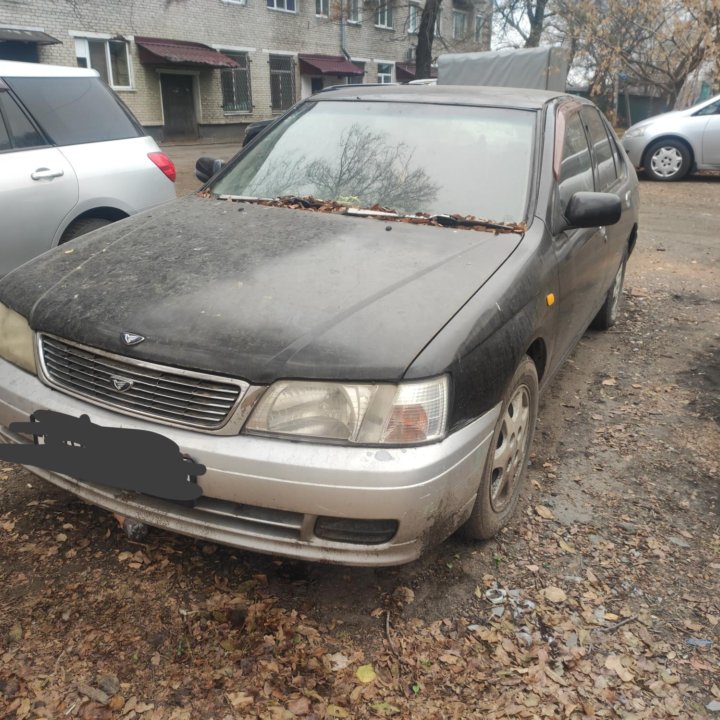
{"points": [[178, 397]]}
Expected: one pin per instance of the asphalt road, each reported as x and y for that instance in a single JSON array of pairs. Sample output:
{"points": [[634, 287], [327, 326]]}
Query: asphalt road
{"points": [[185, 157]]}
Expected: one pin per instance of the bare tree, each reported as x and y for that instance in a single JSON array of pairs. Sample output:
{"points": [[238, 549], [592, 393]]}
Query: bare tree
{"points": [[650, 42], [426, 35], [525, 18]]}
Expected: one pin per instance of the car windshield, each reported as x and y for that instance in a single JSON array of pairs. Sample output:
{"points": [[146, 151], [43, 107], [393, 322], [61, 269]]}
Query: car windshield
{"points": [[407, 157]]}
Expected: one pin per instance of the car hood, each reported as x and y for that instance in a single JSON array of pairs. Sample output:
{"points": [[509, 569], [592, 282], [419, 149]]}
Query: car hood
{"points": [[258, 292], [664, 118]]}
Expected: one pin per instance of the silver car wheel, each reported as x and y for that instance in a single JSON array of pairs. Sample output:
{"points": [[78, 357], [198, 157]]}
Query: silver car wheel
{"points": [[616, 292], [666, 161], [510, 449]]}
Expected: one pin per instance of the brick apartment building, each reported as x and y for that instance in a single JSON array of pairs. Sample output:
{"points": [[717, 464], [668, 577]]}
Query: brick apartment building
{"points": [[207, 68]]}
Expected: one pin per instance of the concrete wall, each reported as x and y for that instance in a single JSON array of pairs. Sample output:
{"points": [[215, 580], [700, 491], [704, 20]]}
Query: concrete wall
{"points": [[231, 25]]}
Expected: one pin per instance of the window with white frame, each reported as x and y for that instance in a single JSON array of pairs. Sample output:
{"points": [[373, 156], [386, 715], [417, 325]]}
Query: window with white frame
{"points": [[285, 5], [235, 2], [413, 18], [437, 23], [109, 57], [479, 25], [459, 24], [384, 16], [235, 84], [385, 71], [322, 7], [353, 11], [282, 82]]}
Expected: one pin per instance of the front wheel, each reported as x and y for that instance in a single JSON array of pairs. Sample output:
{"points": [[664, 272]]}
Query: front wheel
{"points": [[608, 313], [503, 476], [667, 160]]}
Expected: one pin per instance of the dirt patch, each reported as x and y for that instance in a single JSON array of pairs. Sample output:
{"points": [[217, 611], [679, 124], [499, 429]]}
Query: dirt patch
{"points": [[600, 600]]}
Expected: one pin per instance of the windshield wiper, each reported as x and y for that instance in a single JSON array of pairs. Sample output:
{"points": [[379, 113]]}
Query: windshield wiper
{"points": [[444, 220], [308, 202], [460, 221]]}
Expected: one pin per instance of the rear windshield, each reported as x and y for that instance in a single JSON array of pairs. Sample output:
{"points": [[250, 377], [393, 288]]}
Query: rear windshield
{"points": [[73, 111], [408, 157]]}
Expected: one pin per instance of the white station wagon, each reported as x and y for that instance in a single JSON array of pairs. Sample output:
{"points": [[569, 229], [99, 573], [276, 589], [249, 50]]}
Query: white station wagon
{"points": [[72, 158]]}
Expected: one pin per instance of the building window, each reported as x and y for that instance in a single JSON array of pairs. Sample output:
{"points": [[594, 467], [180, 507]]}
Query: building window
{"points": [[282, 82], [459, 20], [437, 23], [235, 84], [322, 7], [479, 25], [284, 5], [357, 79], [384, 16], [385, 73], [108, 57], [413, 19], [234, 2], [354, 11]]}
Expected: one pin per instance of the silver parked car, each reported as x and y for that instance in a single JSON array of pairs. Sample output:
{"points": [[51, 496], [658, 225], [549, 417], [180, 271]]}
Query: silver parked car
{"points": [[671, 145], [72, 158]]}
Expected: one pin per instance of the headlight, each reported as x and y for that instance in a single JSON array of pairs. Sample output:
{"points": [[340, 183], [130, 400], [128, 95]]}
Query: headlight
{"points": [[637, 131], [16, 339], [363, 414]]}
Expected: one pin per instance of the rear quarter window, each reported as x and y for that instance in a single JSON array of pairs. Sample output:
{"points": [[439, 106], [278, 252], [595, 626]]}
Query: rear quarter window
{"points": [[73, 111]]}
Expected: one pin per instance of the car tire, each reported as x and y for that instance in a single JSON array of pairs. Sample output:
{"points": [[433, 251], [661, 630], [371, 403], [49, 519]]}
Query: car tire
{"points": [[667, 160], [608, 313], [503, 476], [81, 226]]}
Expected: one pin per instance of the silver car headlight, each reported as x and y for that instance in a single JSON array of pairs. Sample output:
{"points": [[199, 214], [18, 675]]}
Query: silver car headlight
{"points": [[16, 339], [637, 131], [364, 414]]}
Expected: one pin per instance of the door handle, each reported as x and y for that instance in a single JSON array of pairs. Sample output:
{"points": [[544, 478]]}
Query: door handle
{"points": [[46, 174]]}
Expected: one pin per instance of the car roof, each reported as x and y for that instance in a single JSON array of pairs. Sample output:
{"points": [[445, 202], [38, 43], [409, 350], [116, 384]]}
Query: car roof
{"points": [[480, 95], [10, 68]]}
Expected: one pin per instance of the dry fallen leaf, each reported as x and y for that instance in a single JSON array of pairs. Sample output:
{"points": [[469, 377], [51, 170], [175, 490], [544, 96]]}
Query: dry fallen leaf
{"points": [[614, 662], [336, 711], [239, 699], [299, 706], [554, 594], [338, 661], [365, 673], [544, 512], [564, 546]]}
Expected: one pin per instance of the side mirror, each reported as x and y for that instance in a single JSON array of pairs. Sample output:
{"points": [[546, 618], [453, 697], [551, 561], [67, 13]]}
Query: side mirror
{"points": [[206, 167], [593, 209], [254, 129]]}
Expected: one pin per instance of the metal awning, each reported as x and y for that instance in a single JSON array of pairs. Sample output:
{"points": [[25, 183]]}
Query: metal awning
{"points": [[328, 65], [27, 36], [158, 51], [404, 72]]}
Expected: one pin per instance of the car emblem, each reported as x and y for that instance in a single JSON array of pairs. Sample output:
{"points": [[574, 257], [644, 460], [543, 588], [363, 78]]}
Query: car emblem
{"points": [[132, 338], [121, 384]]}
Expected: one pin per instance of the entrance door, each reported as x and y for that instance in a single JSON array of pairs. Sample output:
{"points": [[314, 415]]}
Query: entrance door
{"points": [[178, 106]]}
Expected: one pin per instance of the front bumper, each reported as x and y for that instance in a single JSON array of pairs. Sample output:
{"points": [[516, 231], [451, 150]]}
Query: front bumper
{"points": [[635, 147], [265, 494]]}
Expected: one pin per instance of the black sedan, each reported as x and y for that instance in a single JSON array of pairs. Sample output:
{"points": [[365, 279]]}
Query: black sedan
{"points": [[347, 329]]}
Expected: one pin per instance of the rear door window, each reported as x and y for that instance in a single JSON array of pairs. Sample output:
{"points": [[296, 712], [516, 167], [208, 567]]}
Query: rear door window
{"points": [[78, 110], [4, 137], [22, 132]]}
